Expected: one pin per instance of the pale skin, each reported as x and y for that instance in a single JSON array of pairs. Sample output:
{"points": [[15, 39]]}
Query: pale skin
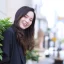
{"points": [[26, 20]]}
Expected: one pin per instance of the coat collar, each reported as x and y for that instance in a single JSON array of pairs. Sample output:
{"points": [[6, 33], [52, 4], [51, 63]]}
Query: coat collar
{"points": [[21, 54]]}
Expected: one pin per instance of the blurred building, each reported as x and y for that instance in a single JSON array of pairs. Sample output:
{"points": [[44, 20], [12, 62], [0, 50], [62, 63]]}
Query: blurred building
{"points": [[9, 7]]}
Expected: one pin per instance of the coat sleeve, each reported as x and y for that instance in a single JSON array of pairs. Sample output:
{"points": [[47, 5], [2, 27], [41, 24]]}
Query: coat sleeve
{"points": [[7, 46]]}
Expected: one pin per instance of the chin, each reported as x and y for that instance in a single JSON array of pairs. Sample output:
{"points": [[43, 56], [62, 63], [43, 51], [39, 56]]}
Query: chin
{"points": [[24, 28]]}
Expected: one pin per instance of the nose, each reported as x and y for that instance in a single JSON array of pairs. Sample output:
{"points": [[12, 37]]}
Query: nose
{"points": [[27, 20]]}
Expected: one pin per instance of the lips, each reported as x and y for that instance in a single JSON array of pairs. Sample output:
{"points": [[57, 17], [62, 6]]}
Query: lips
{"points": [[24, 24]]}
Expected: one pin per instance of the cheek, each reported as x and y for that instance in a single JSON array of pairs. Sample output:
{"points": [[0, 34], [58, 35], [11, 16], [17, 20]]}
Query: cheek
{"points": [[20, 23], [30, 23]]}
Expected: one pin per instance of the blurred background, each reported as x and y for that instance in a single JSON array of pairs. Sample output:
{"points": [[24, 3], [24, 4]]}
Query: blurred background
{"points": [[49, 26]]}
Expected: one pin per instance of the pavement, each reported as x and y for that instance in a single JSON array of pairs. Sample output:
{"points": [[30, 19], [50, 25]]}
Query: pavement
{"points": [[43, 59]]}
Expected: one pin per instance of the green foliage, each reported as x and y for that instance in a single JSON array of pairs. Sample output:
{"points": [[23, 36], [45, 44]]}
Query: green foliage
{"points": [[4, 24], [32, 55], [62, 40], [1, 54]]}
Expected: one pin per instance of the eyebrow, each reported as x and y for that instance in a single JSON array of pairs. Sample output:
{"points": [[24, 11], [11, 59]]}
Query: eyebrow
{"points": [[28, 16]]}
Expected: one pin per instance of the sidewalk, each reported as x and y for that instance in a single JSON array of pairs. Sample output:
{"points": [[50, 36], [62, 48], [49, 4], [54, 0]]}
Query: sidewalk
{"points": [[43, 59]]}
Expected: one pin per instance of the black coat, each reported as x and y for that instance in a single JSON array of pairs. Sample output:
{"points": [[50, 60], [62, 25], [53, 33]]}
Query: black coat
{"points": [[12, 51]]}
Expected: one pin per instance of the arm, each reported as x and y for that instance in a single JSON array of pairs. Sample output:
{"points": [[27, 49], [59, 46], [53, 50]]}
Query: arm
{"points": [[7, 45]]}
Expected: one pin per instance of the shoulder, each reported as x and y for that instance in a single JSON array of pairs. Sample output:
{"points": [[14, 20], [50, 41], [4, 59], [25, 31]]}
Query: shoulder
{"points": [[9, 31]]}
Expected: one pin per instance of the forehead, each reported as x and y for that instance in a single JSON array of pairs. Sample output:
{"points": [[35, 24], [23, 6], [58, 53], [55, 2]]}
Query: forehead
{"points": [[30, 14]]}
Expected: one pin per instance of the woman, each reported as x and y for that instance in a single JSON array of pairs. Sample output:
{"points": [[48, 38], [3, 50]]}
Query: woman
{"points": [[19, 37]]}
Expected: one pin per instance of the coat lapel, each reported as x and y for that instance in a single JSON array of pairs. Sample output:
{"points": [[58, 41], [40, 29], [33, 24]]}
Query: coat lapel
{"points": [[20, 50], [21, 54]]}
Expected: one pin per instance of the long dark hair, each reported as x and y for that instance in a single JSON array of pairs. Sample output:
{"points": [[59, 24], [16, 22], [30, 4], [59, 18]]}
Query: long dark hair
{"points": [[24, 37]]}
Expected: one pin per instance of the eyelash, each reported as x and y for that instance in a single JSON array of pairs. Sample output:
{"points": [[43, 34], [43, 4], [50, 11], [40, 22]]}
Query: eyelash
{"points": [[26, 17], [30, 20]]}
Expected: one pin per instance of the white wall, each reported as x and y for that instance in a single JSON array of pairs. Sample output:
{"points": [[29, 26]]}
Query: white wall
{"points": [[3, 9], [13, 6], [8, 8]]}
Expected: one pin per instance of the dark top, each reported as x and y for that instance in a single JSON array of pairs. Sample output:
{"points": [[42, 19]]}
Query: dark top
{"points": [[12, 51]]}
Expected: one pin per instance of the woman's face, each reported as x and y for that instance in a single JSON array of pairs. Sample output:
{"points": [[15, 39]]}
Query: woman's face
{"points": [[26, 20]]}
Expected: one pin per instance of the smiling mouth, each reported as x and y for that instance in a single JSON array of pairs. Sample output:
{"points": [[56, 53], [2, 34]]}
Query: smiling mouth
{"points": [[25, 25]]}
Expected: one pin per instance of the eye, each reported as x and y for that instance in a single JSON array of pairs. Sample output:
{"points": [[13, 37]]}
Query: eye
{"points": [[26, 16], [30, 19]]}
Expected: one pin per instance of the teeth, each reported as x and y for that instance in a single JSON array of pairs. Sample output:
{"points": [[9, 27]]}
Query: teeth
{"points": [[25, 24]]}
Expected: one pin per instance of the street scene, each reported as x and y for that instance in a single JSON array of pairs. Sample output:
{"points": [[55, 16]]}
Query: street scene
{"points": [[32, 31]]}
